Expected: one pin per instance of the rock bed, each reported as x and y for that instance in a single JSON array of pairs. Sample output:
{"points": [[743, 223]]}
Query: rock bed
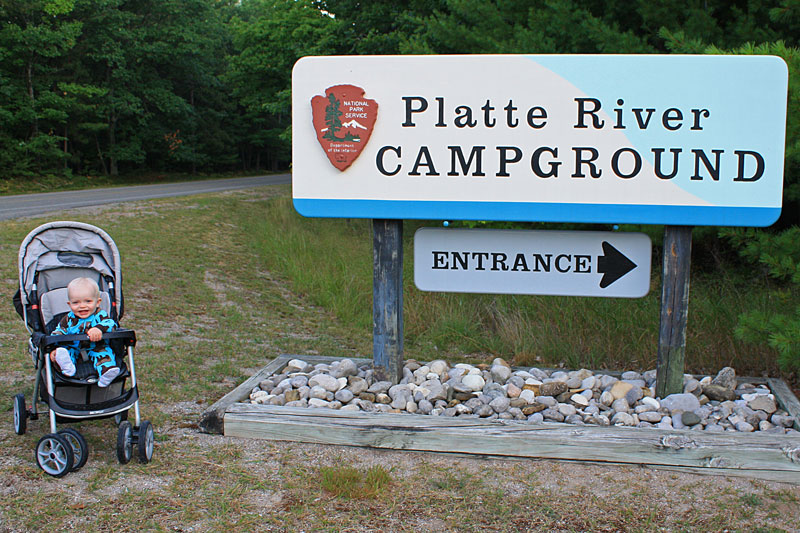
{"points": [[497, 391]]}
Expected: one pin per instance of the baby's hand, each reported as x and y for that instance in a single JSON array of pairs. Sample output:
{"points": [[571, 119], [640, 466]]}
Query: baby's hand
{"points": [[94, 334]]}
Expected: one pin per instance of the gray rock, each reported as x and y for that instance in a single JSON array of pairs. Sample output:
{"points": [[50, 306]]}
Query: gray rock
{"points": [[566, 409], [345, 369], [325, 381], [621, 406], [574, 382], [622, 419], [298, 381], [575, 419], [785, 421], [298, 403], [484, 411], [675, 403], [630, 375], [517, 381], [500, 373], [357, 385], [500, 404], [552, 414], [425, 407], [316, 402], [725, 378], [379, 387], [536, 418], [763, 403], [634, 395], [606, 398], [549, 401], [650, 416], [745, 427], [318, 392], [689, 418], [344, 395], [437, 391]]}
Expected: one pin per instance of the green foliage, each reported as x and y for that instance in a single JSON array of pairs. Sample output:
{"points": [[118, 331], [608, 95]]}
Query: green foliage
{"points": [[779, 255]]}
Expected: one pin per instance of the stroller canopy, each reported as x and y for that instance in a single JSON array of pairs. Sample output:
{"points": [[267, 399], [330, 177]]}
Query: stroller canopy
{"points": [[66, 245]]}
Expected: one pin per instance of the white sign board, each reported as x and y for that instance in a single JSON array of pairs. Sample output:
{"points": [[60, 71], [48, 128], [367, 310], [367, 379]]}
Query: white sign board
{"points": [[653, 139], [567, 263]]}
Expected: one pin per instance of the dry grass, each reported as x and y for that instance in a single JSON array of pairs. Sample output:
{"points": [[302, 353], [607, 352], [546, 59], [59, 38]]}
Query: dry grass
{"points": [[208, 313]]}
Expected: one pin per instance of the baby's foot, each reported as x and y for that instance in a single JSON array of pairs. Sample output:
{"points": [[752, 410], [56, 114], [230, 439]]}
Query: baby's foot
{"points": [[65, 362], [108, 376]]}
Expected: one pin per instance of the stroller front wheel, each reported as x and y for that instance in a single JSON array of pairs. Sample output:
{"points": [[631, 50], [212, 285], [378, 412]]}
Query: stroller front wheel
{"points": [[20, 414], [54, 455], [124, 442]]}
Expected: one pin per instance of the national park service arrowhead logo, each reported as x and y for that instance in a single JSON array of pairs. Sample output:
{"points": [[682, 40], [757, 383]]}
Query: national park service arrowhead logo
{"points": [[343, 120]]}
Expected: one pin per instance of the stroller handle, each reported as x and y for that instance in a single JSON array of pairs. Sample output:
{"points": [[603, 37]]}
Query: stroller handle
{"points": [[49, 342]]}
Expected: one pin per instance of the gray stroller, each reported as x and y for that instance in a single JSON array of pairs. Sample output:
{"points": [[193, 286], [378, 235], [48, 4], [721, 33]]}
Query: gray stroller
{"points": [[50, 257]]}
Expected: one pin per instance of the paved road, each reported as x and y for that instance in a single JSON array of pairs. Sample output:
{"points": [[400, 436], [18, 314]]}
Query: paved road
{"points": [[35, 204]]}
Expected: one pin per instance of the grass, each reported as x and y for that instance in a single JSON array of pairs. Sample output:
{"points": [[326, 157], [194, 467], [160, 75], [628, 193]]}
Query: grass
{"points": [[330, 263], [211, 303]]}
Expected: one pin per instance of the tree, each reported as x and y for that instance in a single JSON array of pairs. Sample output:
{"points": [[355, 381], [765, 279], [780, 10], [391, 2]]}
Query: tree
{"points": [[34, 39], [268, 37]]}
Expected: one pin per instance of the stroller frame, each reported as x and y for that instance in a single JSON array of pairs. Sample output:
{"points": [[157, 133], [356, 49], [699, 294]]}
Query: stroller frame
{"points": [[68, 250]]}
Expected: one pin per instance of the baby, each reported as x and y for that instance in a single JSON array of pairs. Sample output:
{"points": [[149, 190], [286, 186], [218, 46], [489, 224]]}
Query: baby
{"points": [[86, 317]]}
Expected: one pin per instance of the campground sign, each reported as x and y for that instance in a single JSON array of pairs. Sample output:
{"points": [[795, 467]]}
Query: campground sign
{"points": [[692, 140]]}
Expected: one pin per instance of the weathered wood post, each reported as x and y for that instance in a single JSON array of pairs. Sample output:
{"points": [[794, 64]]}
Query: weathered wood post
{"points": [[387, 299], [674, 310]]}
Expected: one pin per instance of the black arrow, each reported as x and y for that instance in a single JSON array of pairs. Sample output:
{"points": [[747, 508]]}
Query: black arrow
{"points": [[613, 265]]}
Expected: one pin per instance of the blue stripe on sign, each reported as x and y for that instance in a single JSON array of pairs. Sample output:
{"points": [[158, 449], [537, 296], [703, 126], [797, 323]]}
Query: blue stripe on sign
{"points": [[540, 212]]}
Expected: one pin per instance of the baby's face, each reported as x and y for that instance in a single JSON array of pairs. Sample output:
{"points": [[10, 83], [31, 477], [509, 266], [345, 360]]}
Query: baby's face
{"points": [[82, 301]]}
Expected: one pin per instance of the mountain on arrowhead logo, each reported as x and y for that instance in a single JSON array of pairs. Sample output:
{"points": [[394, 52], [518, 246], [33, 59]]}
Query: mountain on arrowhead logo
{"points": [[343, 120]]}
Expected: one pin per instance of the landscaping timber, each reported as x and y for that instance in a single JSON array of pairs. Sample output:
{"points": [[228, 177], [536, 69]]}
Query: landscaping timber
{"points": [[752, 455]]}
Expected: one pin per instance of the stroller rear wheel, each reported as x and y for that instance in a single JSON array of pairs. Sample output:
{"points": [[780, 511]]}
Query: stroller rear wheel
{"points": [[144, 441], [54, 455], [80, 450], [20, 414], [124, 442]]}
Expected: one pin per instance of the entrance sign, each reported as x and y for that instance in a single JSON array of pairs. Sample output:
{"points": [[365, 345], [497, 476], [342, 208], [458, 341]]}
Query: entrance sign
{"points": [[692, 140], [567, 263]]}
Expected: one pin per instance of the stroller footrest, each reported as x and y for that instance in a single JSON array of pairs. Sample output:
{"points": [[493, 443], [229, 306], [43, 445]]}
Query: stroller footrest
{"points": [[86, 374]]}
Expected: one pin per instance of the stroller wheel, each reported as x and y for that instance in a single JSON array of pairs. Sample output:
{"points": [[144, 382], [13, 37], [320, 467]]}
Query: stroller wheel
{"points": [[20, 414], [80, 450], [124, 442], [54, 455], [145, 440]]}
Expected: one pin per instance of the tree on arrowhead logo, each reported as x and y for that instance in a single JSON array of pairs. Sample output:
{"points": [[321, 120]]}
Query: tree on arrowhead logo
{"points": [[343, 120]]}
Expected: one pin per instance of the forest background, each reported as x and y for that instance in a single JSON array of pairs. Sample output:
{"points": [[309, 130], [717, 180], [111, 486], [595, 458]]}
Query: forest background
{"points": [[120, 87]]}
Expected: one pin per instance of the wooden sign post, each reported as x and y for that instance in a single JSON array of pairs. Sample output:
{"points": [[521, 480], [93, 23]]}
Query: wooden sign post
{"points": [[674, 310], [387, 299]]}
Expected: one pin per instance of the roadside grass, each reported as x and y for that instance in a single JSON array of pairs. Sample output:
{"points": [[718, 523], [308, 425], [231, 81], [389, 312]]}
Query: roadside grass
{"points": [[329, 261], [210, 306]]}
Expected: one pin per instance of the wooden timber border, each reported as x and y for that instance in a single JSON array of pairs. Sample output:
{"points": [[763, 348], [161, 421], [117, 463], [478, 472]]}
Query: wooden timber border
{"points": [[769, 456]]}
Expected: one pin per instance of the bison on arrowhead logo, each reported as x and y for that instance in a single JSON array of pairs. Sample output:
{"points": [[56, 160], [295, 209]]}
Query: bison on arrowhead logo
{"points": [[343, 120]]}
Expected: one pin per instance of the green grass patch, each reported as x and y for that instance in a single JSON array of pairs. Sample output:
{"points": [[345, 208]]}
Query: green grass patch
{"points": [[349, 482], [329, 262]]}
